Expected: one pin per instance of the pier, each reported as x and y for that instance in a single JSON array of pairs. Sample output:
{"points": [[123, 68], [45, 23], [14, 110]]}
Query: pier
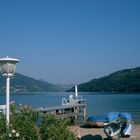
{"points": [[76, 112], [74, 108]]}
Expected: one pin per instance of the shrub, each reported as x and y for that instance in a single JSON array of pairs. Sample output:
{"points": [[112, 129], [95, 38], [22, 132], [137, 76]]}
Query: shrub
{"points": [[27, 124], [54, 129], [24, 122], [3, 128]]}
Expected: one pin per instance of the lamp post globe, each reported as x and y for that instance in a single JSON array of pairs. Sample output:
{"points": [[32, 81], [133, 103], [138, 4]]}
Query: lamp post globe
{"points": [[7, 67]]}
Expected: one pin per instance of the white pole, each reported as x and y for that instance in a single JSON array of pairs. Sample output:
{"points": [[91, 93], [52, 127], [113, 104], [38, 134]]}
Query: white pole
{"points": [[76, 91], [7, 99]]}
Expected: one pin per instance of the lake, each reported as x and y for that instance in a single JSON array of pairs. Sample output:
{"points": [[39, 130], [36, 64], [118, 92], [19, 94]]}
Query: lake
{"points": [[97, 103]]}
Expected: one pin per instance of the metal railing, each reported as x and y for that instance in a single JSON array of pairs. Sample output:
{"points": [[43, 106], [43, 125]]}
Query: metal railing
{"points": [[3, 109]]}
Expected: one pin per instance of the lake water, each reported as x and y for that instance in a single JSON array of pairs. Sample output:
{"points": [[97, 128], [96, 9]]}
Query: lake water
{"points": [[97, 103]]}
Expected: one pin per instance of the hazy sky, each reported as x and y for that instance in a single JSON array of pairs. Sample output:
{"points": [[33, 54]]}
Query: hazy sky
{"points": [[70, 41]]}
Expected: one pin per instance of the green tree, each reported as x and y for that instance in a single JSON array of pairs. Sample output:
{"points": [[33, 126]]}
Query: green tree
{"points": [[54, 129], [27, 124], [24, 123]]}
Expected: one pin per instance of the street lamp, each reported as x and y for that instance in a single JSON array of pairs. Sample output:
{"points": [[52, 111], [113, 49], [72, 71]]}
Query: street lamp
{"points": [[7, 67]]}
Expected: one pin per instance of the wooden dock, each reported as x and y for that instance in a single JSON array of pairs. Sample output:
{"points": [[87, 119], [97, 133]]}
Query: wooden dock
{"points": [[76, 112]]}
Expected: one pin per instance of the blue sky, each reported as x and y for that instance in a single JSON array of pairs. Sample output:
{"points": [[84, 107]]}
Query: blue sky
{"points": [[70, 41]]}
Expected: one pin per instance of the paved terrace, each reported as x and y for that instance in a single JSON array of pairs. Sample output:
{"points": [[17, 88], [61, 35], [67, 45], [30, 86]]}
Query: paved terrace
{"points": [[98, 134]]}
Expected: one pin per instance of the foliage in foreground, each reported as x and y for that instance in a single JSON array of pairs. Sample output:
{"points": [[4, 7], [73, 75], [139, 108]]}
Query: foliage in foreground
{"points": [[27, 124], [52, 129]]}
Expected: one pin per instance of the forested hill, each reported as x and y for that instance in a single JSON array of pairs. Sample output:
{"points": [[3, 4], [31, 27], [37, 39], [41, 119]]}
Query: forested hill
{"points": [[121, 81], [22, 83]]}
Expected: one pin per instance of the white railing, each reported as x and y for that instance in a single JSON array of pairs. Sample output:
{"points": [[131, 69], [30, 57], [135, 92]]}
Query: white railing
{"points": [[3, 109], [64, 101], [72, 100]]}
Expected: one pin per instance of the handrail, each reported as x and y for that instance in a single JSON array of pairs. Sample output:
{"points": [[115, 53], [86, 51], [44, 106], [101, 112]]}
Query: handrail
{"points": [[64, 101], [3, 109]]}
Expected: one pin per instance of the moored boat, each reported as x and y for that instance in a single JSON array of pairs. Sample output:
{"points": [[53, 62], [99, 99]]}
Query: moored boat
{"points": [[122, 128], [97, 121], [101, 121]]}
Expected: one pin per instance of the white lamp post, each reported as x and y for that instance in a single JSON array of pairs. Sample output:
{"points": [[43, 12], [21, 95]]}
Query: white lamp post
{"points": [[7, 67]]}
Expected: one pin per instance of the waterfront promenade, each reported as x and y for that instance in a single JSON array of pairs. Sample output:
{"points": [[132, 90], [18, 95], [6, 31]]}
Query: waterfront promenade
{"points": [[86, 133]]}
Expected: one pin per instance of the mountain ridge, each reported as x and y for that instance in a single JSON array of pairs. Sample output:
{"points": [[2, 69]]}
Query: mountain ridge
{"points": [[127, 80], [22, 83]]}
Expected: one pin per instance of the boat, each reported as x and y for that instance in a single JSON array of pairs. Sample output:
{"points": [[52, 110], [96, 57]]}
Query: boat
{"points": [[117, 130], [112, 131], [97, 121], [122, 128], [125, 117], [101, 121], [111, 117]]}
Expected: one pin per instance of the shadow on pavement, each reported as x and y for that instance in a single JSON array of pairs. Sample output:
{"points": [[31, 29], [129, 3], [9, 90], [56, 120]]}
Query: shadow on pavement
{"points": [[91, 137]]}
